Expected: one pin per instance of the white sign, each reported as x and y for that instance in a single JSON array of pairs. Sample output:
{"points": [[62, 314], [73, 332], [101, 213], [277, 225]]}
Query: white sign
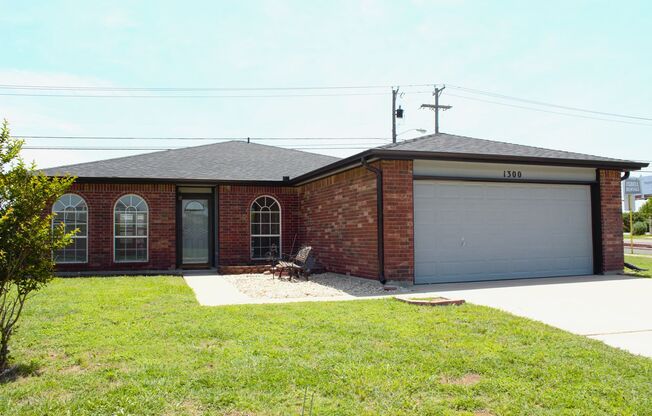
{"points": [[632, 186], [646, 185]]}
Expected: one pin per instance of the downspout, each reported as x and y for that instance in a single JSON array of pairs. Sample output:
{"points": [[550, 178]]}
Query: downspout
{"points": [[379, 220], [625, 176]]}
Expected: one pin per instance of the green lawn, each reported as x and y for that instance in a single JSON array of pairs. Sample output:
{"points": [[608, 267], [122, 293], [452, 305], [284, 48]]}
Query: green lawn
{"points": [[642, 262], [142, 346], [637, 237]]}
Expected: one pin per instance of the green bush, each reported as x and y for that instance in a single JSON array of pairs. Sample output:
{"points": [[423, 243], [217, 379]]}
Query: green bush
{"points": [[637, 217], [640, 228]]}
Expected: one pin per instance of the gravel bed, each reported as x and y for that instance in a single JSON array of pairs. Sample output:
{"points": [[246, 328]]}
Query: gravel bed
{"points": [[319, 285]]}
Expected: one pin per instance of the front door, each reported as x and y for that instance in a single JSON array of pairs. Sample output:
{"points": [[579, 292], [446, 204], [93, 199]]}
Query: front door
{"points": [[195, 230]]}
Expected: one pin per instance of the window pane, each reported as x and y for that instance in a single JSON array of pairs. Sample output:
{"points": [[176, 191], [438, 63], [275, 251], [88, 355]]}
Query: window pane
{"points": [[131, 220], [130, 249], [263, 247], [265, 227], [71, 210]]}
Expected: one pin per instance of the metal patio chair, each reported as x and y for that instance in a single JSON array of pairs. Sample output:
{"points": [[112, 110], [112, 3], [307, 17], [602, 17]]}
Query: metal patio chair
{"points": [[297, 265]]}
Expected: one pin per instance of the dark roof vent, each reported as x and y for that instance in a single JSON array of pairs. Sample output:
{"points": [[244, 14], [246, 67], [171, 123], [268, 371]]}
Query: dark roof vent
{"points": [[286, 179]]}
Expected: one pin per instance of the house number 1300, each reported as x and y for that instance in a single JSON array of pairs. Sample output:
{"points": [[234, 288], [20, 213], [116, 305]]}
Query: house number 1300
{"points": [[512, 174]]}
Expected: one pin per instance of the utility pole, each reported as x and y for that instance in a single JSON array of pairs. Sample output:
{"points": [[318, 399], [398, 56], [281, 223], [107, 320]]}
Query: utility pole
{"points": [[436, 106], [394, 94]]}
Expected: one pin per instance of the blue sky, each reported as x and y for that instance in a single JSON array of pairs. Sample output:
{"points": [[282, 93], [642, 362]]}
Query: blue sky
{"points": [[592, 55]]}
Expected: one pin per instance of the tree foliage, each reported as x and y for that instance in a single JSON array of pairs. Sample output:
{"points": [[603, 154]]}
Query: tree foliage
{"points": [[646, 209], [27, 237]]}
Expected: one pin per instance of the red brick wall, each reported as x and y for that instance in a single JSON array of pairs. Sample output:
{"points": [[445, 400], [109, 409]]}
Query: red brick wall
{"points": [[398, 219], [612, 223], [101, 199], [234, 202], [338, 219]]}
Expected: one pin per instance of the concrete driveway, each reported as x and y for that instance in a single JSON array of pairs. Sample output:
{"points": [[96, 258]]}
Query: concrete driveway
{"points": [[614, 309]]}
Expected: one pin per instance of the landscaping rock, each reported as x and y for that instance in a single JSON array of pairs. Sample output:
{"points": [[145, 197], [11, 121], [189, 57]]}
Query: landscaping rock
{"points": [[318, 285]]}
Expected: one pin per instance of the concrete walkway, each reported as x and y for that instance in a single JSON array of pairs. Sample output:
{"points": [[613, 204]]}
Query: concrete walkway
{"points": [[614, 309], [210, 290]]}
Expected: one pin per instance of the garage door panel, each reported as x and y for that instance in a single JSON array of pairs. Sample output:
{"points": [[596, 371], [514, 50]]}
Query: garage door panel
{"points": [[484, 231]]}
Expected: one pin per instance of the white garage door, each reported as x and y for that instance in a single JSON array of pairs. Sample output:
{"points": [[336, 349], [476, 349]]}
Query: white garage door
{"points": [[467, 231]]}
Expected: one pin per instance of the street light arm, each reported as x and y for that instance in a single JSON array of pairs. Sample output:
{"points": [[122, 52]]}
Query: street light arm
{"points": [[422, 131]]}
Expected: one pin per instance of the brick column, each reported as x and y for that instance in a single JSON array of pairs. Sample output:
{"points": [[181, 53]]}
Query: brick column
{"points": [[611, 221], [398, 219]]}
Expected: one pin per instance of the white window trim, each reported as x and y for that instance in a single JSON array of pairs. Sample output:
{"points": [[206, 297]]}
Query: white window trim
{"points": [[146, 236], [280, 228], [75, 236]]}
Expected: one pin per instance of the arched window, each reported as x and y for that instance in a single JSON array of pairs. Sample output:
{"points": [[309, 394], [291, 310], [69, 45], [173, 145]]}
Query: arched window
{"points": [[130, 228], [265, 228], [71, 210]]}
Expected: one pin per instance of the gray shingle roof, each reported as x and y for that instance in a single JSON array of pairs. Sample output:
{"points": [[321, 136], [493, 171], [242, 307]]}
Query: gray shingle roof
{"points": [[450, 143], [233, 160]]}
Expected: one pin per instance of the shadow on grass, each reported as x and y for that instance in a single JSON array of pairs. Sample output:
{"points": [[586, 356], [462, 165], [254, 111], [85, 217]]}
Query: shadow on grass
{"points": [[17, 371]]}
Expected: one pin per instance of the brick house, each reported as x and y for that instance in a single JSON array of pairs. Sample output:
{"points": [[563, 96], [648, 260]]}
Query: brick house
{"points": [[439, 208]]}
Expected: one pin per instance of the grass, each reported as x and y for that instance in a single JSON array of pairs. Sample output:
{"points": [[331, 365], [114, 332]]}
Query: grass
{"points": [[143, 346], [637, 237], [644, 262]]}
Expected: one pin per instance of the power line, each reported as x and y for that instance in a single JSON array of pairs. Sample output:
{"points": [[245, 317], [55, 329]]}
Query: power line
{"points": [[190, 89], [26, 87], [194, 96], [173, 148], [196, 138], [542, 103], [549, 111]]}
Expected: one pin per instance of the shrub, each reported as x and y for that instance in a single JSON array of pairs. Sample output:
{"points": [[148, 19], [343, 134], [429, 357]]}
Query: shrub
{"points": [[636, 217], [640, 228], [27, 236]]}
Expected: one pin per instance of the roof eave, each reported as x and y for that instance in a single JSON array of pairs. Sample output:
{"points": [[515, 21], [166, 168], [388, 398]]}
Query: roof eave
{"points": [[103, 179], [387, 154], [409, 154], [466, 157]]}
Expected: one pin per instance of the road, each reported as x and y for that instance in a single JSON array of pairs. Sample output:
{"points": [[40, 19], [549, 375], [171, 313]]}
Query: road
{"points": [[639, 250]]}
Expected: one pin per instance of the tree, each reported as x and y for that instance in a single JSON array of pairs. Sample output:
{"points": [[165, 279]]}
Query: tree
{"points": [[27, 237], [646, 209]]}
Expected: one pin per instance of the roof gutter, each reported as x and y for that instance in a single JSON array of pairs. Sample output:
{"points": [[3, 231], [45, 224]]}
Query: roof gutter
{"points": [[379, 218]]}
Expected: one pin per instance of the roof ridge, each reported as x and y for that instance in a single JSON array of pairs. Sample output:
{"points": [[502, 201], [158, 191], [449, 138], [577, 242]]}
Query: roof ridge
{"points": [[113, 159], [284, 148], [435, 135], [136, 155], [389, 146], [527, 145]]}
